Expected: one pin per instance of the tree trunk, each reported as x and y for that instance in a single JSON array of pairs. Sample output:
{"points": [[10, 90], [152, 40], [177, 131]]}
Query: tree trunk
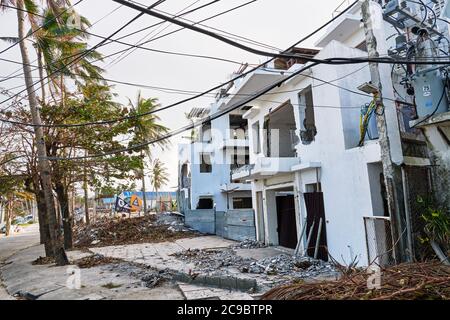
{"points": [[41, 73], [86, 198], [94, 207], [63, 198], [43, 224], [43, 164], [144, 197], [8, 214]]}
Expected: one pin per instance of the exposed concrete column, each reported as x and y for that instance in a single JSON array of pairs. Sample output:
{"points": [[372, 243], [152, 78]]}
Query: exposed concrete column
{"points": [[387, 123], [270, 217], [300, 207]]}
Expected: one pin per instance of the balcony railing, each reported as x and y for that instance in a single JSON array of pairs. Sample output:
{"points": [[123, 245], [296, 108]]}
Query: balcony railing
{"points": [[344, 4]]}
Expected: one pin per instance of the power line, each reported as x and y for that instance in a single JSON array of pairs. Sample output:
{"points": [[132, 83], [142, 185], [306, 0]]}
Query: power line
{"points": [[13, 74], [170, 33], [124, 55], [162, 36], [230, 35], [214, 88], [84, 53], [183, 101], [160, 51], [193, 125], [264, 53]]}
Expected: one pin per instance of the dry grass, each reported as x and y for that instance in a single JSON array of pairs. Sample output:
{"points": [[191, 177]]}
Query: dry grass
{"points": [[41, 261], [95, 261]]}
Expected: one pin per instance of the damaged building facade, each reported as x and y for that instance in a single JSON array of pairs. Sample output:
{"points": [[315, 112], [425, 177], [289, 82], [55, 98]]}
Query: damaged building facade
{"points": [[210, 201], [332, 173]]}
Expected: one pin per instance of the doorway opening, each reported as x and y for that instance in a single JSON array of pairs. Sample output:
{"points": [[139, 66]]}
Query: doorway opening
{"points": [[315, 211], [287, 226]]}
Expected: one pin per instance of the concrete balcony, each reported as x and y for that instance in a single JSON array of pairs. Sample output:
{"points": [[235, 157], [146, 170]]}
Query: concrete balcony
{"points": [[343, 26], [265, 167], [233, 143], [234, 187]]}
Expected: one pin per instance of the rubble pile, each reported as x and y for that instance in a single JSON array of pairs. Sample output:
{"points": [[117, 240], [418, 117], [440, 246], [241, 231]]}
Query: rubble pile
{"points": [[281, 265], [249, 244], [147, 229], [174, 221], [412, 281], [212, 260], [149, 277], [297, 267]]}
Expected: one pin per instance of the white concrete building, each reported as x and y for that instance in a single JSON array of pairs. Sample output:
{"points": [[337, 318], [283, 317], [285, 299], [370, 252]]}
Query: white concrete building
{"points": [[206, 163], [306, 162], [312, 175]]}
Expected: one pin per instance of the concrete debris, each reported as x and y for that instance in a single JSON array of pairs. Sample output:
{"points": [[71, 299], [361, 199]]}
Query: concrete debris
{"points": [[281, 265], [149, 277], [250, 244], [212, 260], [297, 267]]}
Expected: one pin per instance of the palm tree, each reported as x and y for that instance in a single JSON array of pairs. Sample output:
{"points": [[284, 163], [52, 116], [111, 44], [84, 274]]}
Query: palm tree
{"points": [[159, 177], [63, 55], [44, 166], [62, 51], [146, 128]]}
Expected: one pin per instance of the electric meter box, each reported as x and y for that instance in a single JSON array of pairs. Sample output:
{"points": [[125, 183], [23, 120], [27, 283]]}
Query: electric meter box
{"points": [[429, 89]]}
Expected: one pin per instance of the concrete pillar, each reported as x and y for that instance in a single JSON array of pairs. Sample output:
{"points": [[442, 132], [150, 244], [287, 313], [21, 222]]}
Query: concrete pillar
{"points": [[300, 208], [270, 217]]}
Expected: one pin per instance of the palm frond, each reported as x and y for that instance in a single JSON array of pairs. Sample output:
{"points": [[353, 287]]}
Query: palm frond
{"points": [[11, 40]]}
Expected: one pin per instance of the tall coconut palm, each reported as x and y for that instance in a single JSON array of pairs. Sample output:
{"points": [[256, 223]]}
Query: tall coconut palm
{"points": [[159, 177], [57, 249], [146, 128], [63, 53]]}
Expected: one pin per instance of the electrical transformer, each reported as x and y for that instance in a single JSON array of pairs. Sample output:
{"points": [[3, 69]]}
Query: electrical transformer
{"points": [[430, 91]]}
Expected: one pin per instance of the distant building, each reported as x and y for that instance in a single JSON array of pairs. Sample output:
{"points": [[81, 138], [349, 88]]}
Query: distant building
{"points": [[162, 200]]}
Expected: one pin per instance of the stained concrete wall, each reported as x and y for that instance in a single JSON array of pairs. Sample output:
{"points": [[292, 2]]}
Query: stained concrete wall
{"points": [[239, 225], [201, 220], [236, 225]]}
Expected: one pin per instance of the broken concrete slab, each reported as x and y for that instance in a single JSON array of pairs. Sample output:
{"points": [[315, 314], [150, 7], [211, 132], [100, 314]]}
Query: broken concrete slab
{"points": [[48, 282], [257, 254], [191, 292]]}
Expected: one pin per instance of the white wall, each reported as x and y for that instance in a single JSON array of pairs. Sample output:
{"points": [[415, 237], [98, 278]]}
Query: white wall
{"points": [[344, 175]]}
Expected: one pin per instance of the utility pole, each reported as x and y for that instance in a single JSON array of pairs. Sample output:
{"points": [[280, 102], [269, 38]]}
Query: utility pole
{"points": [[43, 163], [144, 197], [391, 171], [94, 211], [86, 196]]}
